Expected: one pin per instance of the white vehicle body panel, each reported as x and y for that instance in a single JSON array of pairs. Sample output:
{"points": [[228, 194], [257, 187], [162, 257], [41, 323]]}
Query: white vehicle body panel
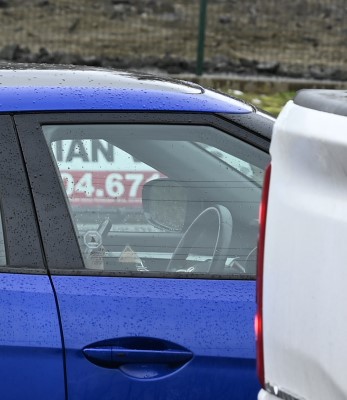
{"points": [[305, 261]]}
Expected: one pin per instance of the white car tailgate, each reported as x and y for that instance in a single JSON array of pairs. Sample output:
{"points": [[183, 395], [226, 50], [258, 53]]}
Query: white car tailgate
{"points": [[305, 261]]}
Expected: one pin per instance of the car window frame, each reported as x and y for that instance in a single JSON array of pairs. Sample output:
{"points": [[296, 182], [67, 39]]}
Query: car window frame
{"points": [[24, 253], [63, 253]]}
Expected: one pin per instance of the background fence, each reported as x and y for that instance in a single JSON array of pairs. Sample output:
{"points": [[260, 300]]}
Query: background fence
{"points": [[303, 38]]}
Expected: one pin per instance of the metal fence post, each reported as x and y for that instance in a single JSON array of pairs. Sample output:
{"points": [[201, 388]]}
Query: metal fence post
{"points": [[201, 38]]}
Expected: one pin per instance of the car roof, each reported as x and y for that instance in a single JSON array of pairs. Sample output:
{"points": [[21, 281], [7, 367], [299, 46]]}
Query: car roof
{"points": [[37, 87]]}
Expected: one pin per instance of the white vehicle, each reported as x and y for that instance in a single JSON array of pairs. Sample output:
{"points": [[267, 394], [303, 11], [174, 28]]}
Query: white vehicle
{"points": [[301, 323]]}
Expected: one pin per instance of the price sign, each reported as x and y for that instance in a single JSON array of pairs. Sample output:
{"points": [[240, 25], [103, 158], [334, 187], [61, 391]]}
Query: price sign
{"points": [[105, 187]]}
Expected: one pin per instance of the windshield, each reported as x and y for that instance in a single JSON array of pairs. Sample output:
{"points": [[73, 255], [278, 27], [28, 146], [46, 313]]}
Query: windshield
{"points": [[249, 170]]}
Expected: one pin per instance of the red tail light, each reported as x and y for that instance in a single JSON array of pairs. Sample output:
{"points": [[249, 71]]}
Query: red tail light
{"points": [[258, 323]]}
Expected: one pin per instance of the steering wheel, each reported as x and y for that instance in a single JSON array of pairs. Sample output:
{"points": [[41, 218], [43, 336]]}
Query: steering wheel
{"points": [[203, 223]]}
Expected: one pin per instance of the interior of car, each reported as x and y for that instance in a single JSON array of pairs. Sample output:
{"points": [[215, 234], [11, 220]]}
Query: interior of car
{"points": [[161, 199]]}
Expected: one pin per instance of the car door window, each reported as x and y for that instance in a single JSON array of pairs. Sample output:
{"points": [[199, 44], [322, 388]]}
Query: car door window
{"points": [[246, 168], [103, 181], [160, 198]]}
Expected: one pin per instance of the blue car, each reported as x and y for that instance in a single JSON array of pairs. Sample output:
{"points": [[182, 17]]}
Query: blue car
{"points": [[129, 219]]}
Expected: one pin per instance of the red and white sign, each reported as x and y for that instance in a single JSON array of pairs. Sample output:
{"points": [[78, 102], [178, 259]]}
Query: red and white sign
{"points": [[105, 187], [95, 172]]}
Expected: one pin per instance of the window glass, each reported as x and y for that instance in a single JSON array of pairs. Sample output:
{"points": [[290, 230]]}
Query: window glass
{"points": [[156, 198], [251, 171], [102, 180]]}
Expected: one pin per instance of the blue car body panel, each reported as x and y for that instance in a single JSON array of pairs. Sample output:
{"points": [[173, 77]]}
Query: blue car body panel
{"points": [[212, 319], [26, 99], [31, 354], [102, 90]]}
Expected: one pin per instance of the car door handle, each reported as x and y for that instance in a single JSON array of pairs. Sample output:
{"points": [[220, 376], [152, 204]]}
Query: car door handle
{"points": [[138, 357], [117, 355]]}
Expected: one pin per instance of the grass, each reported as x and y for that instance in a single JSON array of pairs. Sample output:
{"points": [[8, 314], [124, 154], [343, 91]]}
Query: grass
{"points": [[272, 103]]}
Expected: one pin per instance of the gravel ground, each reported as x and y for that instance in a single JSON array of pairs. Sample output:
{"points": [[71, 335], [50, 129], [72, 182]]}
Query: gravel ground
{"points": [[298, 38]]}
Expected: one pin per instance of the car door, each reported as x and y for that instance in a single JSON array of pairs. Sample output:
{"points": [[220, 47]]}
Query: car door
{"points": [[31, 352], [133, 327]]}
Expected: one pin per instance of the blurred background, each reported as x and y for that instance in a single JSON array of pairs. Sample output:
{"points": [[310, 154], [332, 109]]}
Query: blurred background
{"points": [[243, 39]]}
